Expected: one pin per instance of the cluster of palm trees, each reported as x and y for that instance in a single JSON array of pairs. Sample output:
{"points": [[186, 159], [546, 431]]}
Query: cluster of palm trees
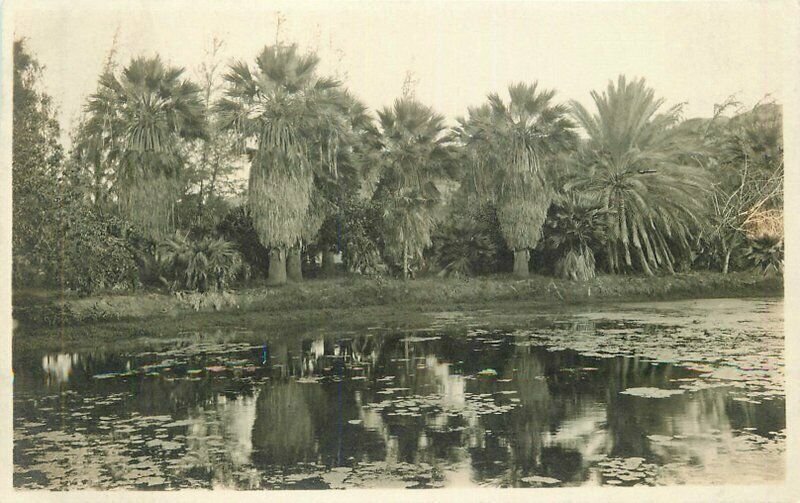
{"points": [[629, 164]]}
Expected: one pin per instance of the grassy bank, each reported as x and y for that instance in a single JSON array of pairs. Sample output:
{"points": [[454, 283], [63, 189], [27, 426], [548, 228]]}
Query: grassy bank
{"points": [[332, 297]]}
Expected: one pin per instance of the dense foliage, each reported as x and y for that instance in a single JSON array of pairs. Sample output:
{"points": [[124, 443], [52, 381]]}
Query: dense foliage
{"points": [[138, 121], [205, 264], [59, 238], [575, 231], [512, 148], [469, 242], [152, 191], [36, 160], [415, 161], [634, 165], [766, 254]]}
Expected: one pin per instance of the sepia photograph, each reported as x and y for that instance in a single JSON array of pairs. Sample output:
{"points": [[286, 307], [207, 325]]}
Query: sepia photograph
{"points": [[508, 248]]}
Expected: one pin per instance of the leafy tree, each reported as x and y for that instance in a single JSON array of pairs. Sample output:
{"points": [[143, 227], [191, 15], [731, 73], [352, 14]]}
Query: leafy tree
{"points": [[634, 164], [512, 148], [281, 107], [211, 164], [745, 155], [139, 122], [341, 197], [59, 238], [415, 156], [36, 168], [355, 230]]}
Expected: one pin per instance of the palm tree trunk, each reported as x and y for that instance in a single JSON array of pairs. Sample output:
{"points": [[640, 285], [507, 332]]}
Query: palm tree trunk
{"points": [[277, 267], [521, 259], [293, 265], [328, 263]]}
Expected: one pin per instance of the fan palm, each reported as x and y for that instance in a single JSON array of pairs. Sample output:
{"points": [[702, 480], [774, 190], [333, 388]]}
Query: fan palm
{"points": [[416, 155], [136, 122], [289, 117], [511, 148], [574, 229], [633, 163], [356, 163]]}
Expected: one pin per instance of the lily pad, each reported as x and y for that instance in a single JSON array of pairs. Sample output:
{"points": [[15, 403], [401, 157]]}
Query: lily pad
{"points": [[652, 392]]}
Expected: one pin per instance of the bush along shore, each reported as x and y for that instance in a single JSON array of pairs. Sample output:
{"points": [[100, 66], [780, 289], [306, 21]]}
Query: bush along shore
{"points": [[424, 294]]}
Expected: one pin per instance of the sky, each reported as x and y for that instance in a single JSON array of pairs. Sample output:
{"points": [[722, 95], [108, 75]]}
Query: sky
{"points": [[458, 52]]}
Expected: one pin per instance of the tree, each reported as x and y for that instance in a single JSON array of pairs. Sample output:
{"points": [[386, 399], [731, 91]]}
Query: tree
{"points": [[575, 227], [279, 109], [634, 163], [59, 237], [512, 148], [469, 240], [36, 160], [139, 121], [415, 156], [342, 197], [90, 145], [211, 164], [745, 153]]}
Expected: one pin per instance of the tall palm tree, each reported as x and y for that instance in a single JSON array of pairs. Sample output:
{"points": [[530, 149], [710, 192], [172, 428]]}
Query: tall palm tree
{"points": [[139, 120], [634, 163], [512, 148], [356, 163], [415, 156], [288, 118]]}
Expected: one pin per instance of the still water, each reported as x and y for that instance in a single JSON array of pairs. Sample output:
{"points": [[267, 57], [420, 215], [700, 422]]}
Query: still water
{"points": [[646, 394]]}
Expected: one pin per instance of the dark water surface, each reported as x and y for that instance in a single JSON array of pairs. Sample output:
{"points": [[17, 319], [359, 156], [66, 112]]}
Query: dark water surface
{"points": [[648, 394]]}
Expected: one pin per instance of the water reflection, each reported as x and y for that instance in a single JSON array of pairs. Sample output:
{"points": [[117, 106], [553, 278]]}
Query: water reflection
{"points": [[58, 366], [427, 409]]}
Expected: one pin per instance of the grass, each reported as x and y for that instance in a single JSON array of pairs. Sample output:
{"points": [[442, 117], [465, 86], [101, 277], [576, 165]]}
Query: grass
{"points": [[328, 299]]}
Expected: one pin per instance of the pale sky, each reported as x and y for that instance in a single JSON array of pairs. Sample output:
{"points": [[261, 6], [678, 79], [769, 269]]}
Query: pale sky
{"points": [[458, 51]]}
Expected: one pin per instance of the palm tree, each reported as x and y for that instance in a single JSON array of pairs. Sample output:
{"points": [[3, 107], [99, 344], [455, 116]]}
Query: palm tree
{"points": [[512, 148], [416, 155], [288, 116], [575, 227], [138, 120], [356, 163], [634, 163]]}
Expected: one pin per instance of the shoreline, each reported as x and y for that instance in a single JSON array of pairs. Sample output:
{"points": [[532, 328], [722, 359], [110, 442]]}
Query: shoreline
{"points": [[346, 300]]}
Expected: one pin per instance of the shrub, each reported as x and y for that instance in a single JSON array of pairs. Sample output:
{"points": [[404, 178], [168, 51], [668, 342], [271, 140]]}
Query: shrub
{"points": [[237, 227], [766, 253], [469, 242], [577, 265], [574, 228], [354, 231], [94, 251], [203, 265]]}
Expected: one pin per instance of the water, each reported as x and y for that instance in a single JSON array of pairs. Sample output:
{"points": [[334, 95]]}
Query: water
{"points": [[650, 394]]}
